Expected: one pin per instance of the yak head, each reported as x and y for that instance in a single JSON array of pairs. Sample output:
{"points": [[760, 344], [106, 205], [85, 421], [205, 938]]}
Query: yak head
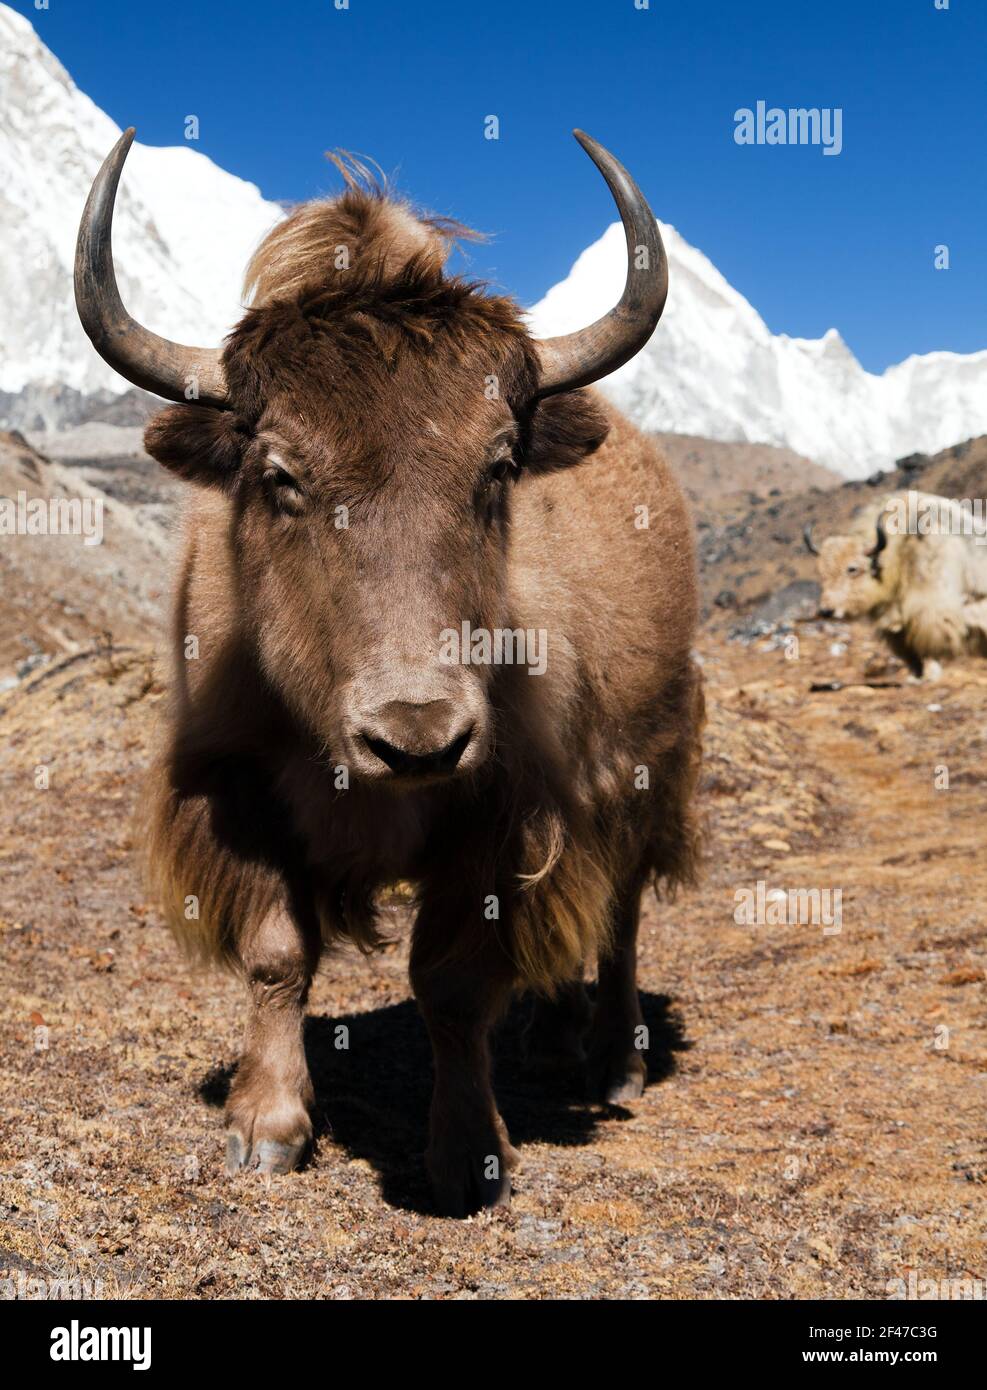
{"points": [[852, 572], [367, 421]]}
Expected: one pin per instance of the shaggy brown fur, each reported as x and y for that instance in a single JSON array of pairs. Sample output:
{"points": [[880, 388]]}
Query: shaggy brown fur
{"points": [[381, 478]]}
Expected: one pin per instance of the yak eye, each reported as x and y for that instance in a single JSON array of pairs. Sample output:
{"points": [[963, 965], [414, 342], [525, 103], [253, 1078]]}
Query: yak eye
{"points": [[282, 487], [853, 569], [280, 477], [499, 469]]}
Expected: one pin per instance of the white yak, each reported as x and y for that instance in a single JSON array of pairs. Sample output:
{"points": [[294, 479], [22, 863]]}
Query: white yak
{"points": [[917, 565]]}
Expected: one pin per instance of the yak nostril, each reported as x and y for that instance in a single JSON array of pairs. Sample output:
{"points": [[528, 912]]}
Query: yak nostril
{"points": [[826, 613], [404, 764]]}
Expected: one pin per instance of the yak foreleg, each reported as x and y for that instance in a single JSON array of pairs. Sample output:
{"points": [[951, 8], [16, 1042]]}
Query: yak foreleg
{"points": [[267, 1115], [469, 1156]]}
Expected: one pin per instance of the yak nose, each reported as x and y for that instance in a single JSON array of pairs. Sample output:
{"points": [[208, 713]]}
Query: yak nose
{"points": [[827, 613], [415, 740]]}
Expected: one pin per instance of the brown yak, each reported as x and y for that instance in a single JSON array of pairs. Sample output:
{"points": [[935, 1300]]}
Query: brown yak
{"points": [[384, 459]]}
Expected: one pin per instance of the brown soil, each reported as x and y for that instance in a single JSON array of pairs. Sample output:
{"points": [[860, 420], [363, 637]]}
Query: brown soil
{"points": [[712, 468]]}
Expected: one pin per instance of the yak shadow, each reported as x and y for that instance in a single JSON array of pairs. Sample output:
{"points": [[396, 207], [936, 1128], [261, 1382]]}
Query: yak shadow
{"points": [[372, 1074]]}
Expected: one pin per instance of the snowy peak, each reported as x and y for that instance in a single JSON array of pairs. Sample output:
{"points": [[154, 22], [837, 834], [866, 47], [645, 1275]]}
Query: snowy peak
{"points": [[596, 282], [183, 230], [713, 368]]}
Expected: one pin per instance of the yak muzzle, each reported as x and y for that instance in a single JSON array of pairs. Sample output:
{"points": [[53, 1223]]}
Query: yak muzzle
{"points": [[410, 741]]}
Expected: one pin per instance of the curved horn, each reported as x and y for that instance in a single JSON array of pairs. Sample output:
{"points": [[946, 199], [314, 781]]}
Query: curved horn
{"points": [[137, 354], [580, 358], [882, 539], [810, 544]]}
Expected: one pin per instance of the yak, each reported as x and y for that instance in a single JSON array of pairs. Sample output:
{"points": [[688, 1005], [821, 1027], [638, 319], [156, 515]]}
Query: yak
{"points": [[379, 455], [917, 566]]}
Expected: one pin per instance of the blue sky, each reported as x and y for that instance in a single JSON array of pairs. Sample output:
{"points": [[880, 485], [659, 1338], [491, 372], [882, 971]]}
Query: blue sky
{"points": [[813, 241]]}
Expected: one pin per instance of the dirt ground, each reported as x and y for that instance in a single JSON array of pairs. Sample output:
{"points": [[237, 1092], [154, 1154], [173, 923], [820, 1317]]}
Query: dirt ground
{"points": [[814, 1124]]}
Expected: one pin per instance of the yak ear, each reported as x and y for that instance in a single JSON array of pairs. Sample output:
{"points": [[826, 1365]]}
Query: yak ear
{"points": [[562, 430], [198, 443]]}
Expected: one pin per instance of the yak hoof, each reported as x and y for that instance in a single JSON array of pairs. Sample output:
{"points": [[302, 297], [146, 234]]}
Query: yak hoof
{"points": [[616, 1080], [465, 1182], [237, 1153], [267, 1156], [463, 1193]]}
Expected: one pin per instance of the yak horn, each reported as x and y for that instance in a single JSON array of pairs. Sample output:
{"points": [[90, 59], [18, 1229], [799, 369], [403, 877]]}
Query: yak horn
{"points": [[577, 359], [882, 539], [168, 369], [810, 544]]}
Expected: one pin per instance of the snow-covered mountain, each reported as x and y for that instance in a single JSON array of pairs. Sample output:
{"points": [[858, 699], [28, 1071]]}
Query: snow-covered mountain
{"points": [[184, 230], [714, 368]]}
